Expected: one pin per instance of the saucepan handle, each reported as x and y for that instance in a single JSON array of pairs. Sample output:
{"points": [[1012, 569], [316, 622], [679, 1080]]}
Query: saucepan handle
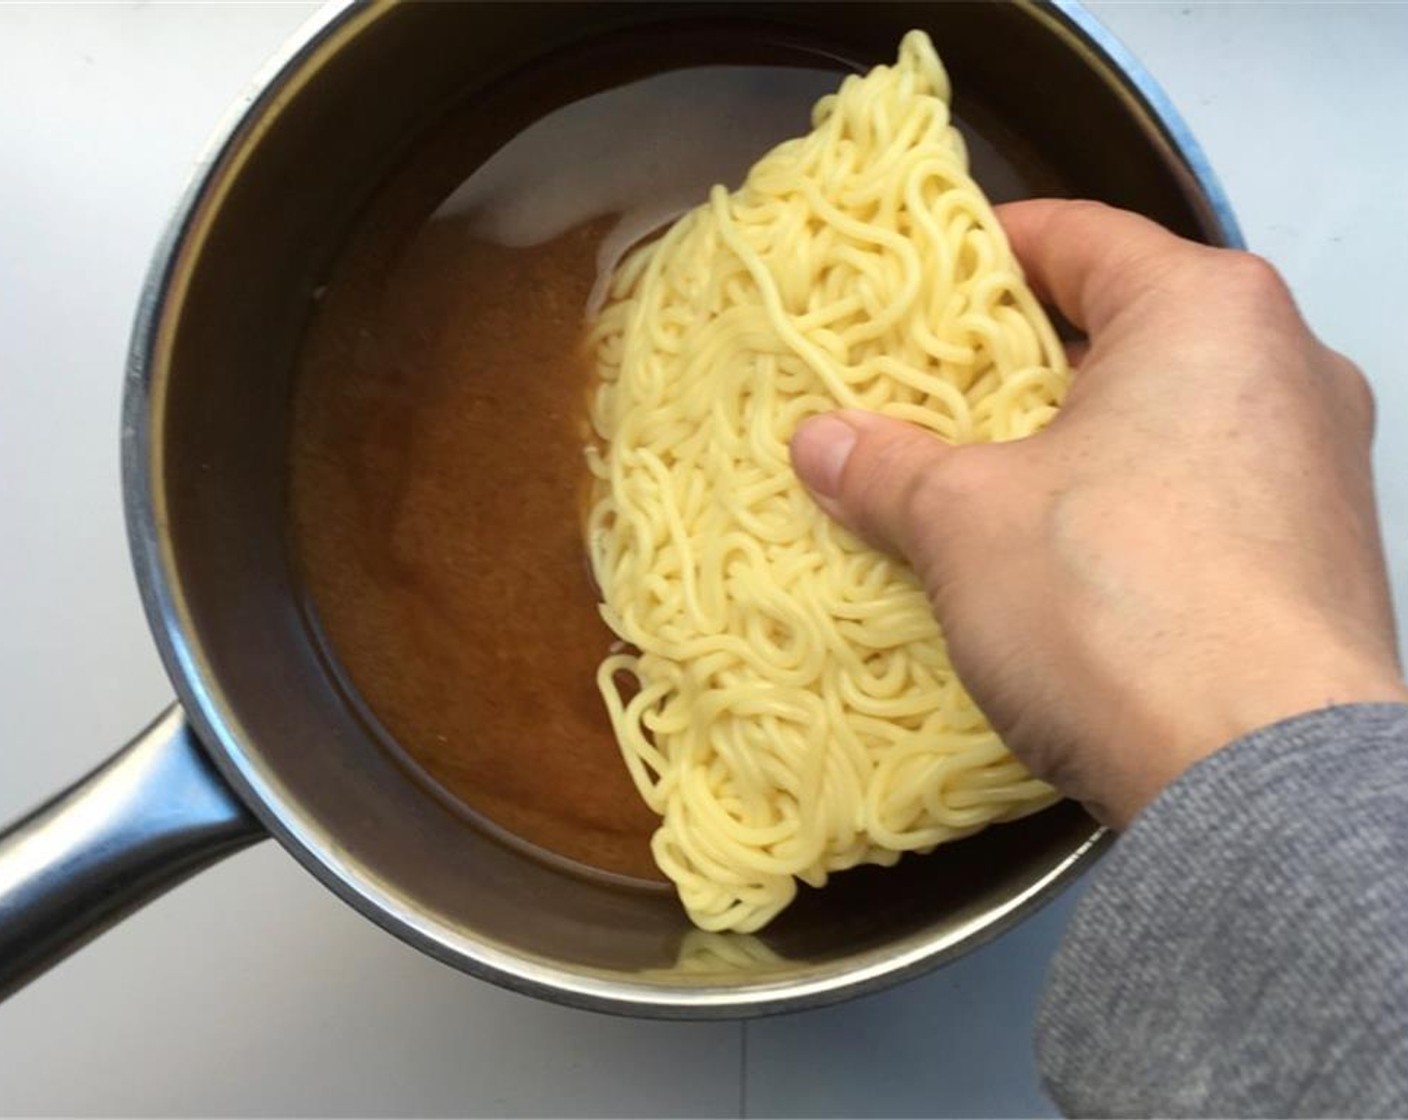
{"points": [[153, 814]]}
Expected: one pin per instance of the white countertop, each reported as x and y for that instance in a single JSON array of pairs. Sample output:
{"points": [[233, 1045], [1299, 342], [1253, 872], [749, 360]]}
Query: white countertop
{"points": [[251, 990]]}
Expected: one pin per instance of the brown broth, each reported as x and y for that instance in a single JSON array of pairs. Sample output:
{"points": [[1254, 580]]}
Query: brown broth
{"points": [[437, 474]]}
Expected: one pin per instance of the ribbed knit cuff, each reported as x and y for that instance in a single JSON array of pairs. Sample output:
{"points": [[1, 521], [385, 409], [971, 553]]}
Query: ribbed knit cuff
{"points": [[1243, 949]]}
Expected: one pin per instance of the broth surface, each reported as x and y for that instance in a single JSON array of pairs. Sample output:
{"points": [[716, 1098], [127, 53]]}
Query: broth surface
{"points": [[437, 478]]}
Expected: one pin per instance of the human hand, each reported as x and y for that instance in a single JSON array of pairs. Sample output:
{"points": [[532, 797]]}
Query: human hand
{"points": [[1188, 552]]}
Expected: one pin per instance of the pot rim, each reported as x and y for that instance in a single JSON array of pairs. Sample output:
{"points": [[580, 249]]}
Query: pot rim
{"points": [[302, 835]]}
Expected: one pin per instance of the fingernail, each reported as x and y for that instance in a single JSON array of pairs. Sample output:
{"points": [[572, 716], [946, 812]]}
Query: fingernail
{"points": [[820, 450]]}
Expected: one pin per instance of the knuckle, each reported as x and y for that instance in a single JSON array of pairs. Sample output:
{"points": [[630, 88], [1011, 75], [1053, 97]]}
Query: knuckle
{"points": [[1357, 390], [923, 496], [945, 489], [1087, 209], [898, 468], [1252, 275], [897, 483]]}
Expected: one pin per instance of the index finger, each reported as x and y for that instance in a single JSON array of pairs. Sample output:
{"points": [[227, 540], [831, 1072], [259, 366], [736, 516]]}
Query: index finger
{"points": [[1091, 260]]}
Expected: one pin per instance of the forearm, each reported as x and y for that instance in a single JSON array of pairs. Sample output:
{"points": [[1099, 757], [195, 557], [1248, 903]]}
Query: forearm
{"points": [[1244, 949]]}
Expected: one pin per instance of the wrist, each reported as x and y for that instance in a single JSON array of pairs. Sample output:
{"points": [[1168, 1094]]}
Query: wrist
{"points": [[1281, 692]]}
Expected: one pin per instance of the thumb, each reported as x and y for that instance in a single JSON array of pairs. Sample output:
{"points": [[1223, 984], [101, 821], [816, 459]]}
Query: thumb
{"points": [[874, 474]]}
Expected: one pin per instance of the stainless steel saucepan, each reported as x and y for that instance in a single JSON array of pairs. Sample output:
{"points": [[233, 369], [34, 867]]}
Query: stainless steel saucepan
{"points": [[264, 741]]}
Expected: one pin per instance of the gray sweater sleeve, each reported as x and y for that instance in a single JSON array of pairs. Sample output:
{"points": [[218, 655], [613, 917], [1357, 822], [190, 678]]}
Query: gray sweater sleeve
{"points": [[1243, 950]]}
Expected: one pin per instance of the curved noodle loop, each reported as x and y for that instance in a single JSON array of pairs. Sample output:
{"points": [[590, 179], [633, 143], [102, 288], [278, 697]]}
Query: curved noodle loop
{"points": [[788, 705]]}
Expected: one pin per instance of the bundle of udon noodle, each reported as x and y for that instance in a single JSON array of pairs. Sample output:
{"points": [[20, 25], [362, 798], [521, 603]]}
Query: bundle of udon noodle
{"points": [[788, 707]]}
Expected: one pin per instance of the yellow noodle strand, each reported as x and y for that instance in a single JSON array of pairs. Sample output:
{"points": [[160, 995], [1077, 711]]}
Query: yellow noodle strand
{"points": [[793, 711]]}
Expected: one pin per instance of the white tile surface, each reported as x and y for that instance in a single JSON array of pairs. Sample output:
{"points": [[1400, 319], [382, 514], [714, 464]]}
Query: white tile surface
{"points": [[250, 990]]}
